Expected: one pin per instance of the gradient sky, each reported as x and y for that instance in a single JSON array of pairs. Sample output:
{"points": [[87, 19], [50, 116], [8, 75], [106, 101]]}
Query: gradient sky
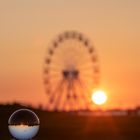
{"points": [[27, 26]]}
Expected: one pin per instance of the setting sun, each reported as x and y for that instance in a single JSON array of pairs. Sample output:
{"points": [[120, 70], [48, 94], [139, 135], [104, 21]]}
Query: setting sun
{"points": [[99, 97]]}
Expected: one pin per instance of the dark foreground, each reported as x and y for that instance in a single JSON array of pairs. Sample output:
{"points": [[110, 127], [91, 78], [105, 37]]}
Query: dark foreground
{"points": [[69, 126]]}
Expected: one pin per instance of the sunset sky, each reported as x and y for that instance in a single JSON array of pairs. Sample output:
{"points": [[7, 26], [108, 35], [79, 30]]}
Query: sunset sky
{"points": [[27, 26]]}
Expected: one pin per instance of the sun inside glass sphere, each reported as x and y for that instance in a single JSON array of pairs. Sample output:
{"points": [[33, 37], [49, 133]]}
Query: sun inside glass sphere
{"points": [[23, 124]]}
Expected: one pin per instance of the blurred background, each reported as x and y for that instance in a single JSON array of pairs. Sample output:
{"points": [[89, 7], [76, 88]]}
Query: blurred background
{"points": [[27, 28]]}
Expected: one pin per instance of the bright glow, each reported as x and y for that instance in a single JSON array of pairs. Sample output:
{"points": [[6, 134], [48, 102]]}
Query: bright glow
{"points": [[99, 97]]}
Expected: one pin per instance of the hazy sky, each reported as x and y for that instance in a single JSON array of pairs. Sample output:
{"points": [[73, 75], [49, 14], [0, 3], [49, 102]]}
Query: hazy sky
{"points": [[27, 26]]}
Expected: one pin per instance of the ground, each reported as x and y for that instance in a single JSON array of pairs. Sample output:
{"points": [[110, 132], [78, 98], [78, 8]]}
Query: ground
{"points": [[69, 126]]}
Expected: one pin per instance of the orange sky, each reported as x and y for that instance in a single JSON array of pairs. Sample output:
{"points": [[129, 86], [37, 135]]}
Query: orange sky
{"points": [[26, 27]]}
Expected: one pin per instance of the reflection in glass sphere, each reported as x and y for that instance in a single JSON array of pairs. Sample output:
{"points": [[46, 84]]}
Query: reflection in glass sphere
{"points": [[23, 124]]}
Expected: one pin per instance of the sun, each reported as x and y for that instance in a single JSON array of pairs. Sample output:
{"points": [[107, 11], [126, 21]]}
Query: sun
{"points": [[99, 97]]}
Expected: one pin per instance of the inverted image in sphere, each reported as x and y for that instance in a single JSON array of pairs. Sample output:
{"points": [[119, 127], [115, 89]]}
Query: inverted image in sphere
{"points": [[23, 124]]}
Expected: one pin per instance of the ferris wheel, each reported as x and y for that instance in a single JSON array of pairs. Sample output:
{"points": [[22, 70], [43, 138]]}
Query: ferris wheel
{"points": [[71, 72]]}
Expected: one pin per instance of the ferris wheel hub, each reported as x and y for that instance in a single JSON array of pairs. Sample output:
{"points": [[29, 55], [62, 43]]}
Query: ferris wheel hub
{"points": [[70, 74]]}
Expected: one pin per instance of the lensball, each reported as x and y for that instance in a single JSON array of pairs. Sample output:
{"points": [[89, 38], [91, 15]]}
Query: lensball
{"points": [[23, 124]]}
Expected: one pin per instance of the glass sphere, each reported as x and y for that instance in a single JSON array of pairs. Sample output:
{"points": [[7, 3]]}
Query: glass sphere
{"points": [[23, 124]]}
